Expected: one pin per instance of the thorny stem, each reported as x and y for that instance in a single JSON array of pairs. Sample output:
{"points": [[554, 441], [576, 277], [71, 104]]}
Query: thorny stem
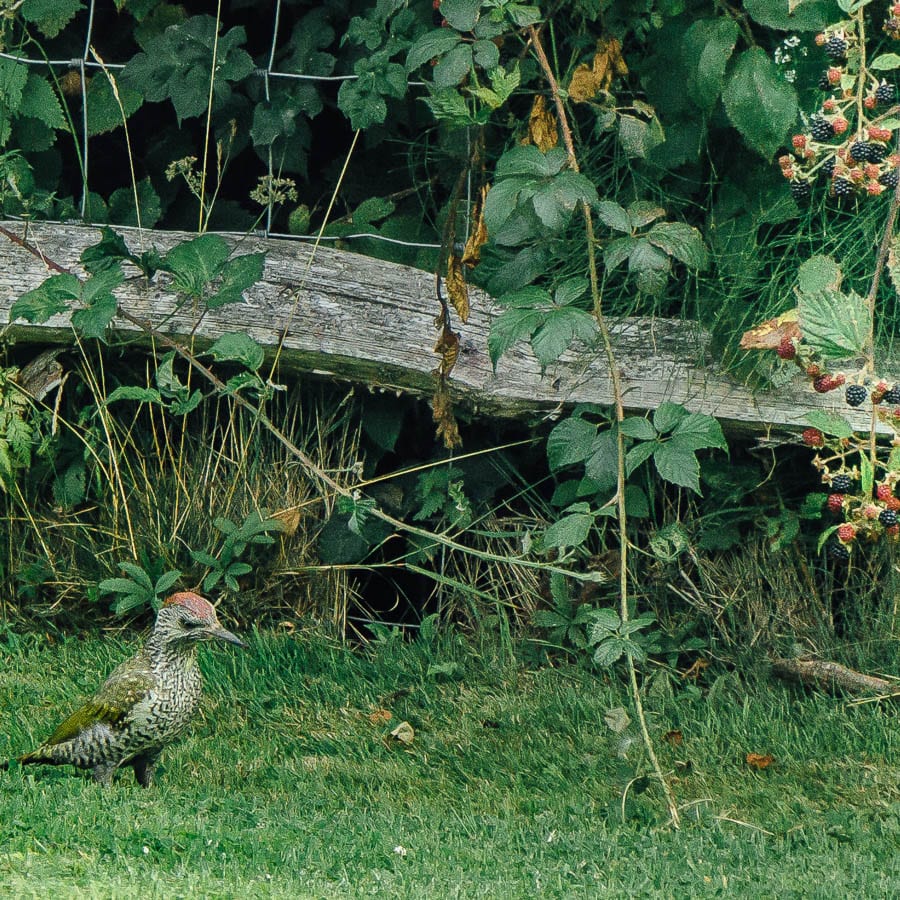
{"points": [[622, 519]]}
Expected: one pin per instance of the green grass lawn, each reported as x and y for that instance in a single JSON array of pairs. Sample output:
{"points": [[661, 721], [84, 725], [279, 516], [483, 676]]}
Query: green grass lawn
{"points": [[291, 786]]}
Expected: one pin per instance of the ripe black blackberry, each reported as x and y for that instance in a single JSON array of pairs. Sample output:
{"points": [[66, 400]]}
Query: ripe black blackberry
{"points": [[892, 396], [889, 179], [836, 550], [820, 129], [855, 394], [828, 166], [824, 83], [860, 151], [801, 190], [836, 47], [887, 518], [841, 484], [885, 92], [877, 152], [842, 187]]}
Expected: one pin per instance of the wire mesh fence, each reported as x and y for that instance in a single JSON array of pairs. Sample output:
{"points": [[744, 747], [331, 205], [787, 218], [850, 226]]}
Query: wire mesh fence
{"points": [[91, 64]]}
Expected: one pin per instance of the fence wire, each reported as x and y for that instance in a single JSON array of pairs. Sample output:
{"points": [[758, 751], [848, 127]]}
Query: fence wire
{"points": [[86, 63]]}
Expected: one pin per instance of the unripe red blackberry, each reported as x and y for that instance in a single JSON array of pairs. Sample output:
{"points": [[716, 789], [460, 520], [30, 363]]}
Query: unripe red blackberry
{"points": [[883, 491], [846, 532], [812, 437], [835, 503], [786, 349]]}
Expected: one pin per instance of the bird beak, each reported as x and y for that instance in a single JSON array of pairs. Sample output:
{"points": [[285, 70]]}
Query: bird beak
{"points": [[223, 634]]}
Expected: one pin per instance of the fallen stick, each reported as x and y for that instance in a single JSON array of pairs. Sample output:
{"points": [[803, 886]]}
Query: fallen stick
{"points": [[832, 675]]}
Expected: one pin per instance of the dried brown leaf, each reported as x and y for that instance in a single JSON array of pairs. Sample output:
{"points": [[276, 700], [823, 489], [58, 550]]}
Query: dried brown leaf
{"points": [[674, 737], [289, 518], [542, 128], [478, 235], [769, 334], [759, 760], [457, 289], [448, 346], [442, 413], [589, 80], [380, 716], [696, 670]]}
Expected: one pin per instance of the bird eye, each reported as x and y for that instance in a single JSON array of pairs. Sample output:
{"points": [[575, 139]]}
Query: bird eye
{"points": [[192, 624]]}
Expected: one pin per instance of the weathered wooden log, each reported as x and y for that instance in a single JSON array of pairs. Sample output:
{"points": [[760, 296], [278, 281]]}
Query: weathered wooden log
{"points": [[366, 320], [832, 676]]}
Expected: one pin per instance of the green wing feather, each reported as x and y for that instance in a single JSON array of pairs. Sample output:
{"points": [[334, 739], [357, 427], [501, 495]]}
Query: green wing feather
{"points": [[126, 686]]}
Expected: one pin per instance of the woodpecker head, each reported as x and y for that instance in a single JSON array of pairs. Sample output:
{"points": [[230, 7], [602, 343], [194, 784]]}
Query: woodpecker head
{"points": [[186, 618]]}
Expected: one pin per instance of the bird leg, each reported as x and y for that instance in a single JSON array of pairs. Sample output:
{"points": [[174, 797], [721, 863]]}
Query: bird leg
{"points": [[103, 773], [144, 766]]}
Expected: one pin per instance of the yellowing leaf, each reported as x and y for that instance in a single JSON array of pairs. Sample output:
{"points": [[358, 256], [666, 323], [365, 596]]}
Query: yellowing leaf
{"points": [[289, 518], [769, 334], [542, 128], [589, 80], [478, 235], [448, 346], [380, 716], [457, 289], [442, 414]]}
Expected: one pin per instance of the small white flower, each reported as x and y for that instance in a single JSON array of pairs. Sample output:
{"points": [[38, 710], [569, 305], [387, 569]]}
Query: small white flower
{"points": [[145, 850], [400, 851]]}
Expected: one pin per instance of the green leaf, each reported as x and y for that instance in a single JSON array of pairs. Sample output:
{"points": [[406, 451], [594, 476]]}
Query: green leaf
{"points": [[13, 78], [137, 575], [50, 16], [699, 432], [93, 321], [103, 113], [609, 651], [569, 531], [680, 240], [601, 467], [638, 455], [510, 327], [759, 102], [617, 251], [571, 441], [639, 428], [107, 253], [118, 586], [429, 45], [54, 296], [133, 392], [643, 212], [121, 205], [196, 262], [829, 423], [560, 327], [166, 581], [677, 465], [461, 14], [706, 48], [650, 267], [239, 347], [819, 273], [885, 62], [835, 324], [638, 136], [39, 101], [453, 66], [526, 159], [791, 15], [238, 275], [668, 415], [613, 216]]}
